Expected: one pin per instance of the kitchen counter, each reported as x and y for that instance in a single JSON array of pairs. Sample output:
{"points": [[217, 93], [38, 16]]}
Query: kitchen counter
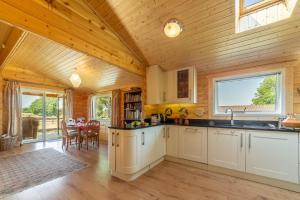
{"points": [[239, 124]]}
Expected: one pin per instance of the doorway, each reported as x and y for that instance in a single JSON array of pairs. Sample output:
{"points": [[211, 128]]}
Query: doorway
{"points": [[42, 112]]}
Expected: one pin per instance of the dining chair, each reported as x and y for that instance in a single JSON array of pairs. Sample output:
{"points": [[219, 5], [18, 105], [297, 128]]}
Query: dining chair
{"points": [[68, 135], [90, 132]]}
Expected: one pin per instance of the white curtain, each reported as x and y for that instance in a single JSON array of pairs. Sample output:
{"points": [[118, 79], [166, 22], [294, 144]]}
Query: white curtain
{"points": [[13, 112], [91, 107], [68, 104]]}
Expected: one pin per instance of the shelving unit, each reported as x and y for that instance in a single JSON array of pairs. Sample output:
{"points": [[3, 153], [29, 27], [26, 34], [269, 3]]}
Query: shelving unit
{"points": [[133, 106]]}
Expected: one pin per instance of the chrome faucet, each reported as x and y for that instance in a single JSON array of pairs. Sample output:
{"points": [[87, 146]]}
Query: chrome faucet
{"points": [[231, 115], [232, 112]]}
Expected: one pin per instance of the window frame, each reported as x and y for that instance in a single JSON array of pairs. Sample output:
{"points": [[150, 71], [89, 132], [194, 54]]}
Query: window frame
{"points": [[94, 105], [280, 104], [257, 6]]}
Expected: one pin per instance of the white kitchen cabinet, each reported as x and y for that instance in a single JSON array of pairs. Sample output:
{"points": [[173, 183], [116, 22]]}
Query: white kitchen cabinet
{"points": [[161, 143], [155, 78], [175, 86], [185, 82], [226, 148], [193, 144], [172, 140], [124, 151], [112, 149], [273, 154]]}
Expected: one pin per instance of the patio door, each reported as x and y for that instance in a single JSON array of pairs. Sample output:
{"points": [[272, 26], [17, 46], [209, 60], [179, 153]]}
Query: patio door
{"points": [[42, 112]]}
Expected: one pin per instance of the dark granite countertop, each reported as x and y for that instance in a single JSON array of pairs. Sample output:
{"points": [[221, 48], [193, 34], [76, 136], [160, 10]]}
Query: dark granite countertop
{"points": [[239, 124]]}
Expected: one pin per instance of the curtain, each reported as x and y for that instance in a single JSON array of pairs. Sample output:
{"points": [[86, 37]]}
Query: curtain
{"points": [[68, 104], [116, 108], [13, 109], [91, 107]]}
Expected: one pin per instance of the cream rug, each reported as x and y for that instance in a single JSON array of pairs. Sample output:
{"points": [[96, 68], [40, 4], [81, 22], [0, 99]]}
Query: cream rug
{"points": [[19, 172]]}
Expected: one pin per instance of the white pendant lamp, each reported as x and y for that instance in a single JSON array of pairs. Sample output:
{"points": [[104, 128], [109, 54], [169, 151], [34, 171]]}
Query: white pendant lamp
{"points": [[173, 28], [75, 80]]}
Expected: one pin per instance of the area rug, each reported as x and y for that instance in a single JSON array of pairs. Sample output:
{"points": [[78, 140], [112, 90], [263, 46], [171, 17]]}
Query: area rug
{"points": [[19, 172]]}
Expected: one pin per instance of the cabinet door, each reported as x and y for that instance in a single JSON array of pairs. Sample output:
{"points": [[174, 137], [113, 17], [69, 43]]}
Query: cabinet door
{"points": [[193, 144], [161, 142], [112, 149], [127, 152], [170, 91], [155, 85], [273, 154], [172, 140], [185, 85], [226, 148]]}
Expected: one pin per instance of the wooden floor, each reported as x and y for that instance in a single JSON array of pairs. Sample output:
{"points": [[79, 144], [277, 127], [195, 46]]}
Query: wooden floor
{"points": [[166, 181]]}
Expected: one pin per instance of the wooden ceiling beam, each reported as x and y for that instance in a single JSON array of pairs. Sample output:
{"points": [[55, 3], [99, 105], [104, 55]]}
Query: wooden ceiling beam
{"points": [[57, 22], [14, 39]]}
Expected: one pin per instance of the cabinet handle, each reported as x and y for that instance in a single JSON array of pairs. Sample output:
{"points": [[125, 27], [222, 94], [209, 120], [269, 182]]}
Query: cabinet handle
{"points": [[242, 140], [168, 132], [143, 138], [112, 139], [190, 94], [164, 133], [249, 141], [118, 140]]}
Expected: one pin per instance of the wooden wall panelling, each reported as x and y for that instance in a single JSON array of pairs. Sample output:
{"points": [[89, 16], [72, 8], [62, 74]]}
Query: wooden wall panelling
{"points": [[59, 23], [80, 104]]}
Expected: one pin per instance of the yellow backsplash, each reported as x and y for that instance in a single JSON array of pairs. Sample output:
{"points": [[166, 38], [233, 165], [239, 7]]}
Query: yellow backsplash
{"points": [[192, 110]]}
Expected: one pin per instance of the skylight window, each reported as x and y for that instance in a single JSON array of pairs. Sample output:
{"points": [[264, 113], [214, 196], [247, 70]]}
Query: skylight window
{"points": [[247, 6], [254, 13]]}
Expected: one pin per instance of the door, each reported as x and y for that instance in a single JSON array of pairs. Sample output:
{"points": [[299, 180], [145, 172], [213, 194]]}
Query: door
{"points": [[193, 144], [53, 115], [42, 112], [172, 140], [226, 148], [32, 115], [127, 151], [262, 159], [112, 149]]}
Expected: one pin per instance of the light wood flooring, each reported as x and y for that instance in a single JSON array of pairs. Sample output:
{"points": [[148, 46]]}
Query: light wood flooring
{"points": [[167, 181]]}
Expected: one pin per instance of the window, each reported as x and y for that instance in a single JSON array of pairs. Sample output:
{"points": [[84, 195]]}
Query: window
{"points": [[252, 14], [258, 94], [102, 107], [247, 6]]}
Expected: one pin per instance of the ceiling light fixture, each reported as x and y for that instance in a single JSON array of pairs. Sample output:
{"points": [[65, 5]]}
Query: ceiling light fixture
{"points": [[75, 79], [173, 28]]}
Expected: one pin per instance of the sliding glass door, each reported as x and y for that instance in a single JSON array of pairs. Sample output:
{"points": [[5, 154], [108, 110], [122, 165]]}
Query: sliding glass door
{"points": [[42, 114]]}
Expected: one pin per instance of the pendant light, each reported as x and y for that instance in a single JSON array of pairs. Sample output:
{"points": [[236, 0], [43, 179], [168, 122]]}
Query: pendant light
{"points": [[173, 28], [75, 79]]}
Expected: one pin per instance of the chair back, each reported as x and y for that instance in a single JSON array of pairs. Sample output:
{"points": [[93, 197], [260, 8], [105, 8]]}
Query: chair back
{"points": [[92, 126], [64, 128]]}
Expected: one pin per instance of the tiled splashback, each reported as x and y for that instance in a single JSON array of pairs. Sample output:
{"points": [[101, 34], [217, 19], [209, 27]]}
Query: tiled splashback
{"points": [[195, 111]]}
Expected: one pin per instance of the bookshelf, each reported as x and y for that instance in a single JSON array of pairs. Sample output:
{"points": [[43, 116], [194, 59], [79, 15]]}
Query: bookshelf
{"points": [[133, 105]]}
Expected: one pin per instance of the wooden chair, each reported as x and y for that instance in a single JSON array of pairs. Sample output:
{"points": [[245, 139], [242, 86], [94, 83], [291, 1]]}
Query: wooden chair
{"points": [[90, 132], [68, 135]]}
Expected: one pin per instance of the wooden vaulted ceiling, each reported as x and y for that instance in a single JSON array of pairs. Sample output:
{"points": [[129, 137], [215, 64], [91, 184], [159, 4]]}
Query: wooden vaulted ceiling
{"points": [[208, 41], [39, 58]]}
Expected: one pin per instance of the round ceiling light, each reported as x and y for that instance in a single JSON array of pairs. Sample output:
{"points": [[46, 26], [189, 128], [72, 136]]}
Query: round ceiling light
{"points": [[173, 28]]}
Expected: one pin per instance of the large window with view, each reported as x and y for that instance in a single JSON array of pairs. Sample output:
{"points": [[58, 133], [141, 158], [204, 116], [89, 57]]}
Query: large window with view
{"points": [[256, 94], [102, 107]]}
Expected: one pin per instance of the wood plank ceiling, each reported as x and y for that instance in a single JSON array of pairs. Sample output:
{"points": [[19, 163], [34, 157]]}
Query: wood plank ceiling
{"points": [[73, 24], [38, 55], [208, 41]]}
